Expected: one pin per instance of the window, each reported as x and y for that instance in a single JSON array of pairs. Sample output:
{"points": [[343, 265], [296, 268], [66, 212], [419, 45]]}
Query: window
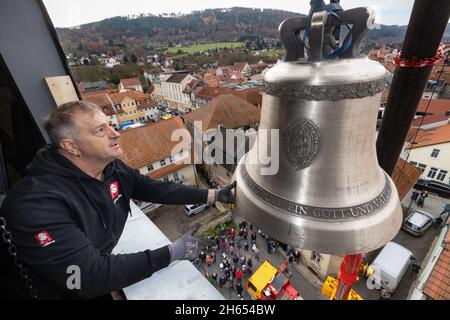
{"points": [[166, 179], [413, 163], [422, 166], [172, 159], [435, 153], [441, 175], [175, 176], [432, 173], [315, 257], [162, 162], [150, 167]]}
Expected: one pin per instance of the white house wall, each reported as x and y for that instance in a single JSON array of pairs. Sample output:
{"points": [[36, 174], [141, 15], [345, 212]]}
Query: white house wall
{"points": [[423, 155]]}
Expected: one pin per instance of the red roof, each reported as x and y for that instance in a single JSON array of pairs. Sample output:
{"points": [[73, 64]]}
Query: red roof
{"points": [[166, 170], [227, 110], [117, 97], [431, 137], [437, 286], [429, 119], [210, 92], [405, 176], [102, 100], [130, 82], [437, 106], [253, 96], [150, 143], [150, 88]]}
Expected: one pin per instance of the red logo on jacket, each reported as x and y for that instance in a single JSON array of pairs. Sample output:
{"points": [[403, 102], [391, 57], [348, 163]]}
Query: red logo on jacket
{"points": [[44, 238], [114, 187]]}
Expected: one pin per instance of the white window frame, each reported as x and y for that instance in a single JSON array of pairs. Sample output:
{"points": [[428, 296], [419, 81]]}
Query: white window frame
{"points": [[441, 175], [432, 173], [435, 153], [150, 166], [162, 162], [422, 166]]}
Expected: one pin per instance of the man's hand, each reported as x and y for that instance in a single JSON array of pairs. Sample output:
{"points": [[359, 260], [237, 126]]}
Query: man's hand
{"points": [[225, 194], [188, 247]]}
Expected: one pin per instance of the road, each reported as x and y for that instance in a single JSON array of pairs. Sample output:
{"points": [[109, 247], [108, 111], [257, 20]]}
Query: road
{"points": [[419, 246], [173, 221]]}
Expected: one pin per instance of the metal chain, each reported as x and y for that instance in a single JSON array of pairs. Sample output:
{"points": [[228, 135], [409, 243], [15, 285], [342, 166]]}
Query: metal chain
{"points": [[23, 272]]}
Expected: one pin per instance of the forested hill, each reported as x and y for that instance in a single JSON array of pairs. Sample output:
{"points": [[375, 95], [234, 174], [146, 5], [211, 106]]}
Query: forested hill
{"points": [[212, 25]]}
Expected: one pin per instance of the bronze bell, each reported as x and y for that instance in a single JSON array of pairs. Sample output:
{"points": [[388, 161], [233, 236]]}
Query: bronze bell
{"points": [[329, 193]]}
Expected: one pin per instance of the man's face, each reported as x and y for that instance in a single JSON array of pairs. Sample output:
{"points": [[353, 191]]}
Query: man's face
{"points": [[97, 139]]}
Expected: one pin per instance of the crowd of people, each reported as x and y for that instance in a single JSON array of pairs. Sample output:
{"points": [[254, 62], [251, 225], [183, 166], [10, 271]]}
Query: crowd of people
{"points": [[234, 253]]}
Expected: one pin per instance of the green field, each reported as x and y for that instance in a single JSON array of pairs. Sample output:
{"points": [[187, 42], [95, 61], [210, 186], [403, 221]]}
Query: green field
{"points": [[205, 47]]}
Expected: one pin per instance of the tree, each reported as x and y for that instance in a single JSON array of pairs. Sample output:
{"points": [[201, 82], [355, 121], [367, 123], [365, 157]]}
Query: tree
{"points": [[125, 59], [134, 59]]}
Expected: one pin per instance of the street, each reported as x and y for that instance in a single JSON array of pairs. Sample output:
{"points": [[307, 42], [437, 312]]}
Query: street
{"points": [[173, 222], [419, 246]]}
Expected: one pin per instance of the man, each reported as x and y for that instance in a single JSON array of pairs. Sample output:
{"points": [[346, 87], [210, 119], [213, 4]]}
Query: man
{"points": [[71, 208], [416, 269]]}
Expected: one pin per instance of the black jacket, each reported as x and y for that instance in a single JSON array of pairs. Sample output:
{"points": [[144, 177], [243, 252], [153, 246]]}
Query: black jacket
{"points": [[59, 216]]}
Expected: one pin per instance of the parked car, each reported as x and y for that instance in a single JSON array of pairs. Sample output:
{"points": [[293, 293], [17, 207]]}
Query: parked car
{"points": [[193, 209], [389, 267], [436, 187], [418, 222]]}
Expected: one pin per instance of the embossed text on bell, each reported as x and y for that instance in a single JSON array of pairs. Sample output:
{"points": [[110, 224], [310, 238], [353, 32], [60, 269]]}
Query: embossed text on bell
{"points": [[329, 193]]}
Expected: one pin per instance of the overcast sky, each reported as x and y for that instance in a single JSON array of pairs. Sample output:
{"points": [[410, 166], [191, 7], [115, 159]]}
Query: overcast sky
{"points": [[69, 13]]}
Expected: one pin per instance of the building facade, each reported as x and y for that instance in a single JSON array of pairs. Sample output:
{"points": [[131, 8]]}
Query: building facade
{"points": [[134, 107], [172, 91], [431, 153], [130, 84]]}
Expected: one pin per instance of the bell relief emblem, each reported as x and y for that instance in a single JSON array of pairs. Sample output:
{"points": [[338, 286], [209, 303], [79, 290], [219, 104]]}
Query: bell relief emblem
{"points": [[301, 143]]}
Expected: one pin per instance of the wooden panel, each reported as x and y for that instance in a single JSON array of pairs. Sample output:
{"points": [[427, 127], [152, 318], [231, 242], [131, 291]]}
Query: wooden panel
{"points": [[61, 89]]}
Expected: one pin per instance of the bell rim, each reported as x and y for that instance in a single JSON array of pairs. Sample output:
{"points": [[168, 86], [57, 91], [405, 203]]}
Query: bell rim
{"points": [[378, 230]]}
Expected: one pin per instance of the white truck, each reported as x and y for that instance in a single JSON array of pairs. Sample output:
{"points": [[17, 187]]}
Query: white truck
{"points": [[389, 268]]}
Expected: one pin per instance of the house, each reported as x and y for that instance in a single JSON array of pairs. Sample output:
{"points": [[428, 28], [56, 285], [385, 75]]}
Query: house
{"points": [[95, 86], [222, 112], [433, 89], [433, 283], [105, 103], [224, 71], [431, 121], [130, 83], [149, 149], [253, 96], [202, 95], [133, 107], [430, 151], [172, 91], [435, 106], [110, 62]]}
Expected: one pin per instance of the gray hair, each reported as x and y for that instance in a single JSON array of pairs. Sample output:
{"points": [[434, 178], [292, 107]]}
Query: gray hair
{"points": [[59, 123]]}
